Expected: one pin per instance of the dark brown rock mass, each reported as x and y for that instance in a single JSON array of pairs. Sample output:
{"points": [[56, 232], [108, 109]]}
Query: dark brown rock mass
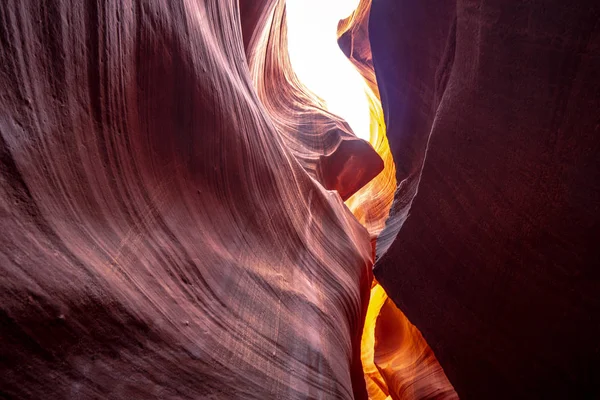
{"points": [[493, 116]]}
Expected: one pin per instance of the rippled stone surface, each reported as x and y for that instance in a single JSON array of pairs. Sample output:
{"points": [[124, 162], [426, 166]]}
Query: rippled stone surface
{"points": [[159, 238]]}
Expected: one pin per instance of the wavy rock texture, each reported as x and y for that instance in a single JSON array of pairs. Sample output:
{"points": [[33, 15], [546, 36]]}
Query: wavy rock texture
{"points": [[322, 142], [492, 116], [166, 228], [159, 237], [308, 129]]}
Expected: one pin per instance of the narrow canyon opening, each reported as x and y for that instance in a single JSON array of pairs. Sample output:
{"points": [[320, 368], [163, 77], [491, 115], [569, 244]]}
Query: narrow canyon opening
{"points": [[320, 64], [329, 52]]}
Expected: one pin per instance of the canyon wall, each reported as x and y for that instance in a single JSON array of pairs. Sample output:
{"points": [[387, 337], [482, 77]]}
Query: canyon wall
{"points": [[180, 218], [159, 237], [493, 116]]}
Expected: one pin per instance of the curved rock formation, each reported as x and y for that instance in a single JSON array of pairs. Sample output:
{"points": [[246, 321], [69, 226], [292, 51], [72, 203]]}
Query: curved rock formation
{"points": [[415, 372], [308, 129], [322, 142], [182, 217], [159, 238], [492, 116]]}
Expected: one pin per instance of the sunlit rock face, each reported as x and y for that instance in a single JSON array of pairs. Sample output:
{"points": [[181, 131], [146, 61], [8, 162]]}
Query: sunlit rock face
{"points": [[492, 116], [292, 96], [322, 142]]}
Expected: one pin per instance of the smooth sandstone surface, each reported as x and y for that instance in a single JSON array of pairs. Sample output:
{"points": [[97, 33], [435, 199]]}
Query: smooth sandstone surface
{"points": [[159, 238]]}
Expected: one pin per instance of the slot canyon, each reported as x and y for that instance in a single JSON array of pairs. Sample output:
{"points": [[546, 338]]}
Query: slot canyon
{"points": [[300, 199]]}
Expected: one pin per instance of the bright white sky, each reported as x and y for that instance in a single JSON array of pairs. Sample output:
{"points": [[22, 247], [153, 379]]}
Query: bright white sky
{"points": [[321, 65]]}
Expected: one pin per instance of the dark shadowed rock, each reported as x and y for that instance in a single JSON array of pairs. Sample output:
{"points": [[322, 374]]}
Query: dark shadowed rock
{"points": [[493, 117]]}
